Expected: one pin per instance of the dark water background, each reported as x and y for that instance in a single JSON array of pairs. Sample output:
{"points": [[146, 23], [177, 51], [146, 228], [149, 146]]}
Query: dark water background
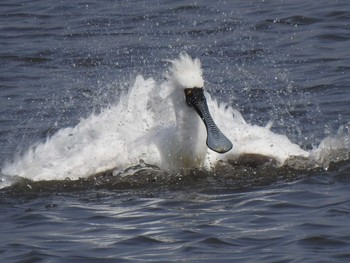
{"points": [[285, 61]]}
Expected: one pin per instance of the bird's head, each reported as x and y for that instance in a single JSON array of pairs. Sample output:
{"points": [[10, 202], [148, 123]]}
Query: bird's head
{"points": [[185, 72], [186, 75]]}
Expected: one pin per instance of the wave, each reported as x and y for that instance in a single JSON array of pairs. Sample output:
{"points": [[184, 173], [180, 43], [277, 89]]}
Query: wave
{"points": [[139, 129]]}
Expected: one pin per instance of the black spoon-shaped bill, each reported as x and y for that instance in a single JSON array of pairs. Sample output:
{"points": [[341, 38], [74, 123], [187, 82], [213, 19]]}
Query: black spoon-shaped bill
{"points": [[216, 140]]}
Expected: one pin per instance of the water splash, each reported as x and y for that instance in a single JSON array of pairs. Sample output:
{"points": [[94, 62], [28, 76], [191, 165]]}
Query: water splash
{"points": [[133, 130]]}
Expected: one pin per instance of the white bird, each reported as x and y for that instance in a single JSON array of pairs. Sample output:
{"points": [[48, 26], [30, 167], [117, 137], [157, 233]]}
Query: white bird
{"points": [[182, 142], [186, 135], [184, 145], [167, 124]]}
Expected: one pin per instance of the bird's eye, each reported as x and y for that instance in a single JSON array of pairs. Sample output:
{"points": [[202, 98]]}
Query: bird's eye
{"points": [[188, 92]]}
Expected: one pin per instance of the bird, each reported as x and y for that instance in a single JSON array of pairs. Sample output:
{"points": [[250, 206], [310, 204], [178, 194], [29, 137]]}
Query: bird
{"points": [[172, 124], [184, 142], [186, 135]]}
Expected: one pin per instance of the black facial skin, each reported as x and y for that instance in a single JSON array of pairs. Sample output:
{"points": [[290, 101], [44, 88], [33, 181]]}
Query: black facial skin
{"points": [[216, 140]]}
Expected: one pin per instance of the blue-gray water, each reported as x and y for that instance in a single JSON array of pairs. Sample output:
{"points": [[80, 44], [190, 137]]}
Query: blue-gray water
{"points": [[285, 61]]}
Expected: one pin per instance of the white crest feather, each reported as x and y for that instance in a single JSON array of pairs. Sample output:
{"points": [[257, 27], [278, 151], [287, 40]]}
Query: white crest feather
{"points": [[186, 72]]}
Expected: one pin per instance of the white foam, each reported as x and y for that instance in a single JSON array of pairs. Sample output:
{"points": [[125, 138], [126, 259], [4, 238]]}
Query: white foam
{"points": [[333, 148], [136, 129], [96, 144], [251, 139]]}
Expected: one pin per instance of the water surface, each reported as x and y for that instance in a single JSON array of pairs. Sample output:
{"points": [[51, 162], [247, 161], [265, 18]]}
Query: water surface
{"points": [[285, 61]]}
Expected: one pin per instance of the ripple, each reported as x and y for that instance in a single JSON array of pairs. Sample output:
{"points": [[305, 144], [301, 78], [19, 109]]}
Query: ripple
{"points": [[295, 20], [333, 37], [213, 242], [322, 242], [135, 241]]}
